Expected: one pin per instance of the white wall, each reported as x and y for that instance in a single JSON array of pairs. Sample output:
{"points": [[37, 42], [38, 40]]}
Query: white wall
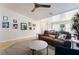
{"points": [[64, 18], [10, 33]]}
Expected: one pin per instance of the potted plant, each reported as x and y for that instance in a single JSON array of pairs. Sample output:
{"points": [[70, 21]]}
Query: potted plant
{"points": [[75, 25]]}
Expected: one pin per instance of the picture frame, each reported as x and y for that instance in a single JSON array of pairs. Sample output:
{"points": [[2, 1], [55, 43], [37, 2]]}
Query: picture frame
{"points": [[5, 24], [34, 25], [15, 26], [23, 26], [29, 24], [30, 28], [14, 21], [33, 28], [5, 18]]}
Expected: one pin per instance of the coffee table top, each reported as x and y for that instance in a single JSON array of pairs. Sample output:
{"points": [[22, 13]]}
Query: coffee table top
{"points": [[38, 44]]}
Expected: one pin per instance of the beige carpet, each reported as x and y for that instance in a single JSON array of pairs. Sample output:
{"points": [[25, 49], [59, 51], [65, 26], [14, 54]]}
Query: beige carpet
{"points": [[20, 47]]}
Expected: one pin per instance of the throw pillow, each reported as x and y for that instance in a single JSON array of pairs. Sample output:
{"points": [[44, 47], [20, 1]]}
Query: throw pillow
{"points": [[62, 36]]}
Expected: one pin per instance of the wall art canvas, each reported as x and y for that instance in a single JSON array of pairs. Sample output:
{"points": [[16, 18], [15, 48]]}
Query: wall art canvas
{"points": [[30, 28], [5, 18], [23, 26], [5, 24], [15, 26], [29, 24], [33, 28], [14, 21], [34, 25]]}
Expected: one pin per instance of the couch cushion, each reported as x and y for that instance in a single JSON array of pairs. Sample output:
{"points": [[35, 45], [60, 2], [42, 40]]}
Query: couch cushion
{"points": [[62, 36], [52, 36]]}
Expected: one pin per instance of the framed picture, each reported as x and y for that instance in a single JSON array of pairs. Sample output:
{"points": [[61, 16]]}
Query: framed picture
{"points": [[5, 24], [15, 26], [23, 26], [29, 23], [5, 18], [34, 25], [33, 28], [14, 21], [30, 28]]}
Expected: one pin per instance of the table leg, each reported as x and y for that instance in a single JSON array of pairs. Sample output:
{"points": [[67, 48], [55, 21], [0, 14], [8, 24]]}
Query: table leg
{"points": [[47, 50], [32, 51]]}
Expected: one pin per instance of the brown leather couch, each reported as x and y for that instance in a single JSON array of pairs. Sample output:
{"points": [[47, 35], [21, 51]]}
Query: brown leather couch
{"points": [[52, 39]]}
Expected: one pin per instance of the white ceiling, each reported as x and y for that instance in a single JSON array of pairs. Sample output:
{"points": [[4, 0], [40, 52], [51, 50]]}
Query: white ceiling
{"points": [[40, 13]]}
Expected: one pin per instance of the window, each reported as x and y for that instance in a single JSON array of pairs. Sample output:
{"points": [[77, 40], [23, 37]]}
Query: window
{"points": [[62, 27]]}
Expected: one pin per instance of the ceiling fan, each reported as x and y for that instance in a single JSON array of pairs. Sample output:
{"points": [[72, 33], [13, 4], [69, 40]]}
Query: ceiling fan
{"points": [[40, 5]]}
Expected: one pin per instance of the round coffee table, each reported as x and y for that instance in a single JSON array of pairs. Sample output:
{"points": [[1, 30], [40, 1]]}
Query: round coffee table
{"points": [[38, 45]]}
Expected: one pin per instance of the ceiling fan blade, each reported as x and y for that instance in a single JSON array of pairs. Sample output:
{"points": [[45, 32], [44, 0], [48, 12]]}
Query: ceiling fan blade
{"points": [[33, 9], [37, 5], [40, 5], [48, 6]]}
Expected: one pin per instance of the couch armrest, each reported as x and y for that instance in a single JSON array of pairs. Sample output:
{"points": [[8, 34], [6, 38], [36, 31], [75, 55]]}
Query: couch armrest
{"points": [[67, 44], [39, 36]]}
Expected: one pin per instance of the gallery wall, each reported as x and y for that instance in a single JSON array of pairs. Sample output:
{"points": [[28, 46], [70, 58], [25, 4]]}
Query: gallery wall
{"points": [[10, 33]]}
